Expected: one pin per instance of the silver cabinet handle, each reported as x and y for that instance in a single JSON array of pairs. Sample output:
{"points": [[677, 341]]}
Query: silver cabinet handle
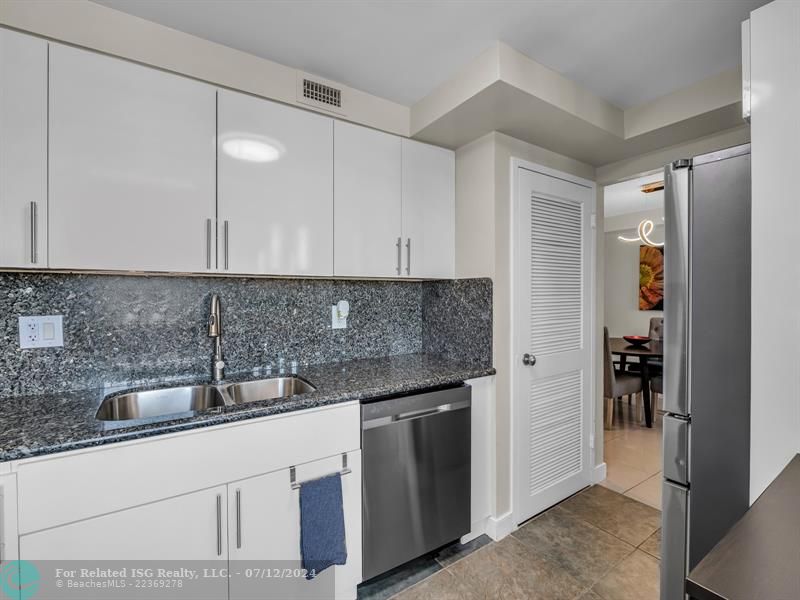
{"points": [[528, 359], [226, 228], [208, 243], [34, 219], [408, 256], [238, 518], [399, 255], [219, 524]]}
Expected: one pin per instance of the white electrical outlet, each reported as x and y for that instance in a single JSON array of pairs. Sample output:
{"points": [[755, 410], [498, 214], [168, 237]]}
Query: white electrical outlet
{"points": [[41, 332]]}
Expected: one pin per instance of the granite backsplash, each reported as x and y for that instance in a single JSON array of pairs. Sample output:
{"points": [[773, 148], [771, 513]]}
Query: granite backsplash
{"points": [[142, 329]]}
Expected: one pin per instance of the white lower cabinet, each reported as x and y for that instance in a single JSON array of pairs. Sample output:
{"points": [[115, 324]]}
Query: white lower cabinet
{"points": [[187, 527], [152, 500], [264, 531], [482, 472]]}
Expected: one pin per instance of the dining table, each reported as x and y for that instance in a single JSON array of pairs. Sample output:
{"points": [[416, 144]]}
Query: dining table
{"points": [[651, 351]]}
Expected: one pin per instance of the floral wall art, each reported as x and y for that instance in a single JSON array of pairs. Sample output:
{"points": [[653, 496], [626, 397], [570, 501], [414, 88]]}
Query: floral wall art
{"points": [[651, 278]]}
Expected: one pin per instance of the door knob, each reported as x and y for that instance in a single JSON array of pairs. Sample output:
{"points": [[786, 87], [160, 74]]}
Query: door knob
{"points": [[528, 359]]}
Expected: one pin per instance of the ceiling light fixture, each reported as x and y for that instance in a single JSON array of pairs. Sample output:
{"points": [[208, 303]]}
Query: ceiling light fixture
{"points": [[644, 230], [649, 188]]}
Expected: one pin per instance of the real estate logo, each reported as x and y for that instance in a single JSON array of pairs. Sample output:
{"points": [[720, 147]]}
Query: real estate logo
{"points": [[19, 579]]}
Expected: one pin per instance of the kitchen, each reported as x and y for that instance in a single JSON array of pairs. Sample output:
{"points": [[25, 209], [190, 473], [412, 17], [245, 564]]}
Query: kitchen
{"points": [[255, 316]]}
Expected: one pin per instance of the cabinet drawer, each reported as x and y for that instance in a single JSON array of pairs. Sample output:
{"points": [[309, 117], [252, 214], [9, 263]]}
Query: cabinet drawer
{"points": [[186, 528], [94, 482]]}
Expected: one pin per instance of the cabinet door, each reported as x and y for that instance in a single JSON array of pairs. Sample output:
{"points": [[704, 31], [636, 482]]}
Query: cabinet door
{"points": [[367, 188], [189, 527], [264, 518], [428, 211], [275, 188], [23, 150], [132, 166]]}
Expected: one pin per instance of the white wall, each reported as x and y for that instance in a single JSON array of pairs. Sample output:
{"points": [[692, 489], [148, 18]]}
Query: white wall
{"points": [[622, 314], [632, 220], [775, 366]]}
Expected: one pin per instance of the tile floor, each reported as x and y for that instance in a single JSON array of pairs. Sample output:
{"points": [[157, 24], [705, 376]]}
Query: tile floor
{"points": [[596, 545], [632, 454]]}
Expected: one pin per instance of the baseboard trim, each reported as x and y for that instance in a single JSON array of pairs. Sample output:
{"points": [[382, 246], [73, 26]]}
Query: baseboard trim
{"points": [[478, 529], [599, 473], [499, 527]]}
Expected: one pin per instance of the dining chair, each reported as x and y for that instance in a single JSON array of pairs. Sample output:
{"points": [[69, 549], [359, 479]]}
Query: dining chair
{"points": [[616, 384], [655, 333], [656, 329], [656, 392]]}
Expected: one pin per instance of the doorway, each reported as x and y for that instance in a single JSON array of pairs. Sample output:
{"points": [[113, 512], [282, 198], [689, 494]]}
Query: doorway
{"points": [[552, 341], [633, 230]]}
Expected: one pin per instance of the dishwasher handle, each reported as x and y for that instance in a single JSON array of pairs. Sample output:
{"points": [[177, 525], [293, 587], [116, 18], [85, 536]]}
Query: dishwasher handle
{"points": [[384, 420], [419, 406]]}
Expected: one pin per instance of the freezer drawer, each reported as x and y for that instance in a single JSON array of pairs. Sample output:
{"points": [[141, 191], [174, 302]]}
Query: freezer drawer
{"points": [[674, 540], [676, 449]]}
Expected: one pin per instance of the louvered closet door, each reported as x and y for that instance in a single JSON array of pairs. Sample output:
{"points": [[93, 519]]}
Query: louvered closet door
{"points": [[552, 326]]}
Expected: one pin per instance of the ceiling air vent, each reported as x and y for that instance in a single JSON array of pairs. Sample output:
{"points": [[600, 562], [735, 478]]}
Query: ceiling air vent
{"points": [[319, 93]]}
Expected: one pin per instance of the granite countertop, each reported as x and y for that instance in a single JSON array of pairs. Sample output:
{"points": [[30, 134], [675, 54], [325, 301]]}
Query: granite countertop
{"points": [[760, 556], [47, 424]]}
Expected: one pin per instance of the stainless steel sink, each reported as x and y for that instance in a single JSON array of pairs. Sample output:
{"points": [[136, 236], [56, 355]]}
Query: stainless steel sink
{"points": [[157, 403], [173, 401], [267, 389]]}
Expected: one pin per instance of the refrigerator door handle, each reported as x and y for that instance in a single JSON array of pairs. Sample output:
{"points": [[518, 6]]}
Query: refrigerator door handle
{"points": [[678, 182]]}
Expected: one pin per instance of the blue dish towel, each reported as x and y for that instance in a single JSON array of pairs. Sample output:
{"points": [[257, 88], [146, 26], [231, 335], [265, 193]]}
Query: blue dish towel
{"points": [[322, 537]]}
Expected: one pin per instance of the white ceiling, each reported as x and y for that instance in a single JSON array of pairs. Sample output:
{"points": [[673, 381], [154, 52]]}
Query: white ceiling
{"points": [[627, 51], [627, 197]]}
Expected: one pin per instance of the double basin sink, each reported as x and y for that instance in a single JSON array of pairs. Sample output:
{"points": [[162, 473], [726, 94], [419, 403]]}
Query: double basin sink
{"points": [[195, 398]]}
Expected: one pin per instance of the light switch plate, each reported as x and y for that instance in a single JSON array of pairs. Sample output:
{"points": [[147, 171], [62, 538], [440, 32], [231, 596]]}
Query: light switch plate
{"points": [[41, 332]]}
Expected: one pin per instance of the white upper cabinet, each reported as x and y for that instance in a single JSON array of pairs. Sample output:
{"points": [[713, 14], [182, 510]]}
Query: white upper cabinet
{"points": [[23, 151], [132, 166], [367, 202], [428, 211], [275, 188], [110, 165]]}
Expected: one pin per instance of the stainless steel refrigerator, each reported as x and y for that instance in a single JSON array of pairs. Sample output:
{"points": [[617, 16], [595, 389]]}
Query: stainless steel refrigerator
{"points": [[706, 357]]}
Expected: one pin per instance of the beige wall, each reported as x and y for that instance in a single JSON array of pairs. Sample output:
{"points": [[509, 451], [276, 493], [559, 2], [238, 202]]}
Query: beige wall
{"points": [[483, 228], [647, 163], [475, 209], [483, 225]]}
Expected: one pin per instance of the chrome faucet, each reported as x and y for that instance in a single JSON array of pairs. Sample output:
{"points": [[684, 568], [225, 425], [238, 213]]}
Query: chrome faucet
{"points": [[215, 331]]}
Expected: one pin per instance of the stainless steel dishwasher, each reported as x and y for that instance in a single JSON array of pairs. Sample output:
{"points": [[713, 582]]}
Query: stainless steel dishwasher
{"points": [[415, 453]]}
